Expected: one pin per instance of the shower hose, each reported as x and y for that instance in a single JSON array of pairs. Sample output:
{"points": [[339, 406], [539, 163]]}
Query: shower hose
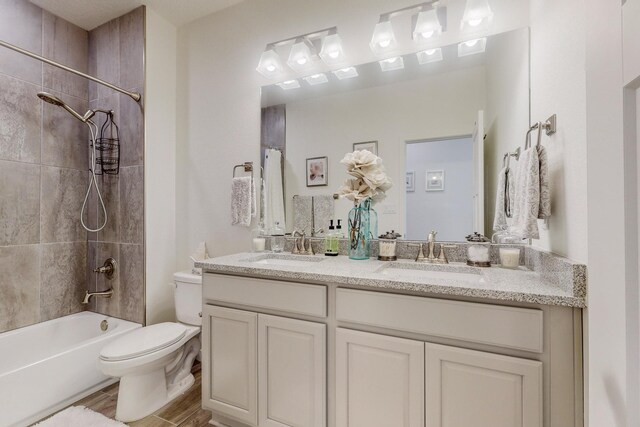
{"points": [[93, 128]]}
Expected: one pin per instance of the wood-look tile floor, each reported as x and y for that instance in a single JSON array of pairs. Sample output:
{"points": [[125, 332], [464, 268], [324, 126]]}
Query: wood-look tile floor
{"points": [[184, 411]]}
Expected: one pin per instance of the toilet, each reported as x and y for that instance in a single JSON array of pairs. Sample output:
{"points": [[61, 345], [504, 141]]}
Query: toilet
{"points": [[154, 362]]}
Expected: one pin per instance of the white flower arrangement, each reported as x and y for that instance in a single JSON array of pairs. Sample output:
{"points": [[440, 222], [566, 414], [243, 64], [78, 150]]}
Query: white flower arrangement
{"points": [[370, 178]]}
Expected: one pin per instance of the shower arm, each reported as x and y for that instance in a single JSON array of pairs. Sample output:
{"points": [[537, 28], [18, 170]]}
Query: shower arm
{"points": [[134, 95]]}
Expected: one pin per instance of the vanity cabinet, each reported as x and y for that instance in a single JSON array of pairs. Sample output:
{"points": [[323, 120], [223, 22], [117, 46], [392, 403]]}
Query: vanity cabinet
{"points": [[263, 370]]}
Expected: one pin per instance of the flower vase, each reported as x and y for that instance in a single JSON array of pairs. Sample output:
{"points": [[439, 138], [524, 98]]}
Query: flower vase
{"points": [[363, 227]]}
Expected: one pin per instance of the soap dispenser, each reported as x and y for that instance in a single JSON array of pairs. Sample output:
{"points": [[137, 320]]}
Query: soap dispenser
{"points": [[331, 241]]}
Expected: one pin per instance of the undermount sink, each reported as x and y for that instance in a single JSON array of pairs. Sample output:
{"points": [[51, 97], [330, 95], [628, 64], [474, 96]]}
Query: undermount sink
{"points": [[431, 272], [283, 260]]}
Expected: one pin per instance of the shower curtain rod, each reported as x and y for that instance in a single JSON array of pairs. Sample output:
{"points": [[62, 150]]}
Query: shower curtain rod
{"points": [[134, 95]]}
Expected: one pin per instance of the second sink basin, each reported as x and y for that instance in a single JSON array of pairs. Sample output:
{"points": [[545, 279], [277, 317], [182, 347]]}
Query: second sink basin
{"points": [[284, 260], [426, 272]]}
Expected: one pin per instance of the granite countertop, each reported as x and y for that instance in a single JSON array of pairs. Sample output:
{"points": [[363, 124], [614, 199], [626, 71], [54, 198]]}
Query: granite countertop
{"points": [[565, 286]]}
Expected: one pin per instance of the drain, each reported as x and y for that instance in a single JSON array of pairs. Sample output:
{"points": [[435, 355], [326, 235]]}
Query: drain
{"points": [[104, 325]]}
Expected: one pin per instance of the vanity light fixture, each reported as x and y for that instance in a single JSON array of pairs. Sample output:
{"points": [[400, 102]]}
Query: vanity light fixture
{"points": [[477, 15], [383, 39], [427, 25], [429, 55], [390, 64], [289, 84], [300, 57], [316, 79], [331, 52], [471, 47], [270, 65], [346, 73]]}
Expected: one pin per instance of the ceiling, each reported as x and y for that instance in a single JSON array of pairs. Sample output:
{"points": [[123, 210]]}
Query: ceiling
{"points": [[90, 14]]}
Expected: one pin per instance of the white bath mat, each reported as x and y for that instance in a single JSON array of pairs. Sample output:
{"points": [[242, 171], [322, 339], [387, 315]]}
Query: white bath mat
{"points": [[79, 416]]}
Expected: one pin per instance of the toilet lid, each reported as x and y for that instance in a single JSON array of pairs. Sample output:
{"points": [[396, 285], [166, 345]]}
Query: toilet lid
{"points": [[143, 341]]}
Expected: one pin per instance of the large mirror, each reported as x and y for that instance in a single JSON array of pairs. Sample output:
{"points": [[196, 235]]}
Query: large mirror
{"points": [[441, 128]]}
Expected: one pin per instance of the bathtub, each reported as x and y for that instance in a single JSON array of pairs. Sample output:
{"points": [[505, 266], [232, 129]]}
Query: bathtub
{"points": [[50, 365]]}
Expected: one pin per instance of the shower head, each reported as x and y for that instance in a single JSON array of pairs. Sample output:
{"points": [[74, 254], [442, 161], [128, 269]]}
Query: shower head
{"points": [[54, 100]]}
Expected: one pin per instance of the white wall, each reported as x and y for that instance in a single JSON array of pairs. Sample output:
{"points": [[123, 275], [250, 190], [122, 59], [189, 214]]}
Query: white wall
{"points": [[160, 167], [507, 109], [449, 212], [436, 106], [219, 96]]}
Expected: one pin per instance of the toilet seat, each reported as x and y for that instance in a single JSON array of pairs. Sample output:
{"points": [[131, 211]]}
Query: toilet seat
{"points": [[143, 341]]}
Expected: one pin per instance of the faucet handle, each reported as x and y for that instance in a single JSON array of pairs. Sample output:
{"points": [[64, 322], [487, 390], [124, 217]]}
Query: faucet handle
{"points": [[442, 257], [432, 236], [420, 256]]}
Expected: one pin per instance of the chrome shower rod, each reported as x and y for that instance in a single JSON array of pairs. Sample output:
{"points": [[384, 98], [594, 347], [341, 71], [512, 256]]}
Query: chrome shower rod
{"points": [[134, 95]]}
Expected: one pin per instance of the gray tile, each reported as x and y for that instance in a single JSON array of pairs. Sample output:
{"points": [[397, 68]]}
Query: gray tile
{"points": [[90, 276], [61, 200], [131, 132], [65, 141], [109, 188], [132, 48], [108, 306], [19, 203], [20, 120], [69, 45], [105, 57], [132, 283], [132, 204], [19, 286], [63, 279], [21, 25]]}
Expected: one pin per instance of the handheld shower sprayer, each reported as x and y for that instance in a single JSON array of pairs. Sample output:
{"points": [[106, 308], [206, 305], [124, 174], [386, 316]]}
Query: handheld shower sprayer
{"points": [[93, 129]]}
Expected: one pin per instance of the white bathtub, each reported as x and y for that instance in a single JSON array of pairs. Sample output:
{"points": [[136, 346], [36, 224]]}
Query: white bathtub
{"points": [[47, 366]]}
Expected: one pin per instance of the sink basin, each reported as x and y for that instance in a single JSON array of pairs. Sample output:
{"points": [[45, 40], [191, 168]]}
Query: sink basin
{"points": [[284, 260], [431, 272]]}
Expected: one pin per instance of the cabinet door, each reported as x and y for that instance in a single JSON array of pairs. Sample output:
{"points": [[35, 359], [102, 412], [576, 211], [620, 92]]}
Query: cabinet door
{"points": [[291, 372], [229, 376], [379, 380], [473, 388]]}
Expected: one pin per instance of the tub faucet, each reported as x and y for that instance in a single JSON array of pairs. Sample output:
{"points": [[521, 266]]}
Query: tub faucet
{"points": [[105, 294]]}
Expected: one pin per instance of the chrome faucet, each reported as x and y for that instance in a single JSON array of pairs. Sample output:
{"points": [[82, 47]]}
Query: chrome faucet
{"points": [[105, 294], [431, 245]]}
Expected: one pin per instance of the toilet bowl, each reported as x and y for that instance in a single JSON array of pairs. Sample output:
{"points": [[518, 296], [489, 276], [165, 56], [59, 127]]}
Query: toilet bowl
{"points": [[154, 362]]}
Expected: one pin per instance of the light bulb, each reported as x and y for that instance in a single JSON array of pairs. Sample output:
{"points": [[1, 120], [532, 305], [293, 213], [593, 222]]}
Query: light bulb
{"points": [[271, 67], [427, 34], [316, 76], [475, 22], [471, 43], [430, 52], [384, 43], [288, 82], [334, 54], [391, 60], [301, 61]]}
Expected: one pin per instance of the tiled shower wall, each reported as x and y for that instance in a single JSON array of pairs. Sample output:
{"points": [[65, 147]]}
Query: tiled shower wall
{"points": [[43, 169], [45, 256], [116, 54]]}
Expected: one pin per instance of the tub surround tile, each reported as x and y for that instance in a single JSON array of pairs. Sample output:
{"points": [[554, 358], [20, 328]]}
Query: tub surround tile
{"points": [[19, 286], [68, 45], [63, 279], [19, 203], [132, 48], [132, 204], [21, 25], [110, 189], [91, 279], [132, 283], [20, 116], [105, 63], [108, 306], [61, 198], [65, 140], [131, 132]]}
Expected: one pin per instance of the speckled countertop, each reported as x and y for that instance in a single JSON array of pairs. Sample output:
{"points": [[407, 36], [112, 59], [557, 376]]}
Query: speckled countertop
{"points": [[547, 279]]}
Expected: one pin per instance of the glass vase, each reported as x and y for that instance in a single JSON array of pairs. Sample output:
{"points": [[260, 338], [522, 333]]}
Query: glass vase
{"points": [[363, 227]]}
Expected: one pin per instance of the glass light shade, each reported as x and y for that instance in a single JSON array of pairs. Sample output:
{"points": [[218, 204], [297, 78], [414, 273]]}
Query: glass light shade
{"points": [[429, 55], [289, 84], [477, 14], [427, 25], [331, 52], [383, 40], [346, 73], [270, 65], [300, 57], [390, 64], [471, 47], [316, 79]]}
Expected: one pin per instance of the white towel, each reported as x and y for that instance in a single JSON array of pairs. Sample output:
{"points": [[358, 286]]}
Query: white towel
{"points": [[273, 192], [243, 201], [504, 199], [527, 195]]}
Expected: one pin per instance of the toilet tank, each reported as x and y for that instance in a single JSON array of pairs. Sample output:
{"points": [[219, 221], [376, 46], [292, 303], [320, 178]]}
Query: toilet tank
{"points": [[188, 297]]}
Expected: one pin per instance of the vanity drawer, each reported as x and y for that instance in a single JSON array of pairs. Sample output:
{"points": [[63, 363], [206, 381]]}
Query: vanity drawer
{"points": [[292, 297], [509, 327]]}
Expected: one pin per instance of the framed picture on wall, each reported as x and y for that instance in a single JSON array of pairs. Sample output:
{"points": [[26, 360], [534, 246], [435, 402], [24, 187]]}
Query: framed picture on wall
{"points": [[410, 182], [371, 146], [317, 171], [435, 180]]}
